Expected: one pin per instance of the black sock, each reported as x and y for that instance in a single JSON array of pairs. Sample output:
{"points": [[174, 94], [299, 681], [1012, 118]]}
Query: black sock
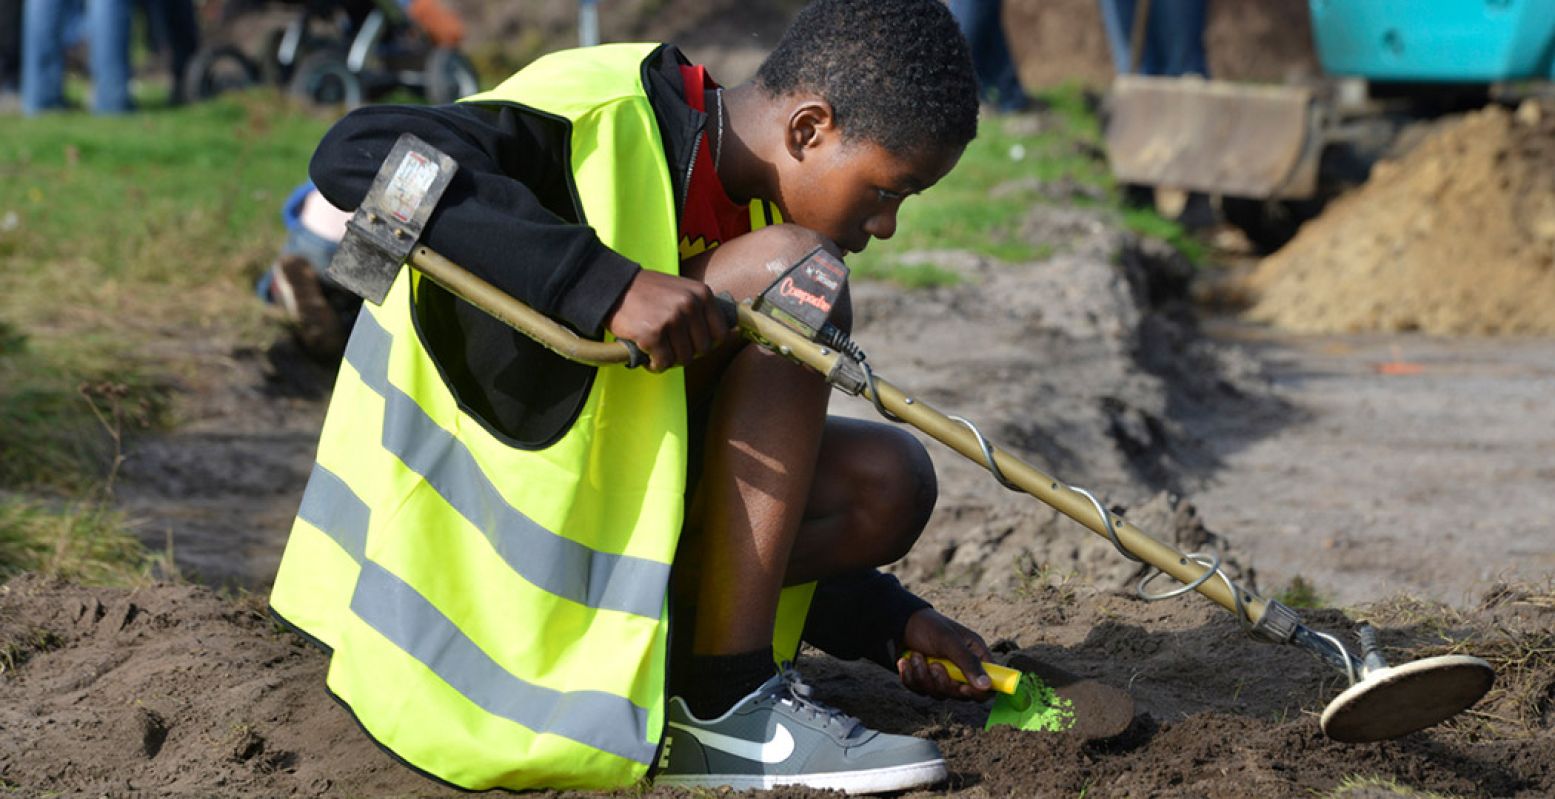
{"points": [[711, 684]]}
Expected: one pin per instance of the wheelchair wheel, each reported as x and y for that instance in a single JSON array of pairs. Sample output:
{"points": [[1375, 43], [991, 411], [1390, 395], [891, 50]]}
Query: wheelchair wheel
{"points": [[323, 78], [449, 76], [222, 68]]}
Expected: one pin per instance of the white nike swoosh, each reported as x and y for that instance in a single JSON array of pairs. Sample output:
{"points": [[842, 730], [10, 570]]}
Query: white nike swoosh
{"points": [[776, 750]]}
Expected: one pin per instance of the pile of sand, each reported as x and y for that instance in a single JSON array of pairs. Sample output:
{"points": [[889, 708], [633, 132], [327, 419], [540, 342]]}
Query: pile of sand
{"points": [[1457, 237]]}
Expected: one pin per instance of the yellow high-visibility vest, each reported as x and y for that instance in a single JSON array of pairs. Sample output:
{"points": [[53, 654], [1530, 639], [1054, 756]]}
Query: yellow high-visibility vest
{"points": [[497, 617]]}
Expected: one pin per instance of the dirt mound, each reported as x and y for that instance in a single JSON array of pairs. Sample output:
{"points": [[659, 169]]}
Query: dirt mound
{"points": [[175, 691], [1457, 237]]}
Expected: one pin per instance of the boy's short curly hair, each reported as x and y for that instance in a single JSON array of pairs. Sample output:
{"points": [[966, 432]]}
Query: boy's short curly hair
{"points": [[896, 72]]}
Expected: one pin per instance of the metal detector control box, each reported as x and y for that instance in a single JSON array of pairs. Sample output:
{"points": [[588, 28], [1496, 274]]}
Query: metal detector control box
{"points": [[803, 297]]}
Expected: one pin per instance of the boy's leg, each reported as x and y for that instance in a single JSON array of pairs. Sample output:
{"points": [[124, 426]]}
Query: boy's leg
{"points": [[786, 495], [871, 496], [733, 720], [765, 417]]}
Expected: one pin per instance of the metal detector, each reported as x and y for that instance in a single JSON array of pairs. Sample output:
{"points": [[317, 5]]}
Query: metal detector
{"points": [[1381, 701]]}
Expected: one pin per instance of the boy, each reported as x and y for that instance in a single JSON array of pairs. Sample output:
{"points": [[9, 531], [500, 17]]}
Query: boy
{"points": [[486, 542]]}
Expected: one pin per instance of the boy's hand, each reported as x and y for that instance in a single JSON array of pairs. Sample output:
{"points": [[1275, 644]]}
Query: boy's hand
{"points": [[672, 319], [932, 633]]}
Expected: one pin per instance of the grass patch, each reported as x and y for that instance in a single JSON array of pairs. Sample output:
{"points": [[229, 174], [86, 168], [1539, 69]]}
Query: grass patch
{"points": [[123, 229], [1301, 594], [1146, 222], [84, 542], [119, 235], [1510, 631], [64, 417]]}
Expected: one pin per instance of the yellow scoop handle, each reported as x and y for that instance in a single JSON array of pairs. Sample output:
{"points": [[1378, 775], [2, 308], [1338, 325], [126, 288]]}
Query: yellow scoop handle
{"points": [[1004, 679]]}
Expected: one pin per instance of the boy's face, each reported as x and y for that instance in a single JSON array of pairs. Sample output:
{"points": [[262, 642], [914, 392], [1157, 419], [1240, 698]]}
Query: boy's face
{"points": [[850, 190]]}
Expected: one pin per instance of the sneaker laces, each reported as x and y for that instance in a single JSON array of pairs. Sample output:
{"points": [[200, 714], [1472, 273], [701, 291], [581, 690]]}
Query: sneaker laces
{"points": [[789, 687]]}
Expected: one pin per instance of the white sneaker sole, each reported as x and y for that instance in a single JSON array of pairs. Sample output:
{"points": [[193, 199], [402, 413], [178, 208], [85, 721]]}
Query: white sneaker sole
{"points": [[880, 780]]}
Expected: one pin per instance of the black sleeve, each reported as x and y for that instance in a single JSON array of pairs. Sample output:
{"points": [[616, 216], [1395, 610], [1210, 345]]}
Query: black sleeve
{"points": [[509, 215], [861, 615]]}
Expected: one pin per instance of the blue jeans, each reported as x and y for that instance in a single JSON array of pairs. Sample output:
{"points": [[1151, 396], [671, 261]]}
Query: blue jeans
{"points": [[44, 36], [983, 26], [1174, 36]]}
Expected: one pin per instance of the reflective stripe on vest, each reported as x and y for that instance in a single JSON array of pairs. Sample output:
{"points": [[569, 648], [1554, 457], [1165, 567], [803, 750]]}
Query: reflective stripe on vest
{"points": [[497, 616]]}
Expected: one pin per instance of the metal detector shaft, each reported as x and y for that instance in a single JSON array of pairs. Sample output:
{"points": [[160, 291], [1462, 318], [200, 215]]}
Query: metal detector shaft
{"points": [[521, 317], [1267, 618], [963, 439]]}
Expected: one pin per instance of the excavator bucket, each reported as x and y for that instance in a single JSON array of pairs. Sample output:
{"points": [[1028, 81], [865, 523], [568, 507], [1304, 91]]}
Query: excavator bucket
{"points": [[1213, 136]]}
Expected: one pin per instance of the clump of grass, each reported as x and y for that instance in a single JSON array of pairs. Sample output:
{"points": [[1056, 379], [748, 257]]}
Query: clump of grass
{"points": [[16, 648], [1301, 594], [83, 542], [1521, 704], [62, 430], [1370, 787], [1146, 222]]}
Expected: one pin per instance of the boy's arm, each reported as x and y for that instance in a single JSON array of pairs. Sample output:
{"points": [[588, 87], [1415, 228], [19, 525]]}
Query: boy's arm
{"points": [[868, 614], [861, 615], [491, 219]]}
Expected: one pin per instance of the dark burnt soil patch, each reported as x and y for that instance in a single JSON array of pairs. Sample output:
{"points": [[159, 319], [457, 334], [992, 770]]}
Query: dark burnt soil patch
{"points": [[174, 690]]}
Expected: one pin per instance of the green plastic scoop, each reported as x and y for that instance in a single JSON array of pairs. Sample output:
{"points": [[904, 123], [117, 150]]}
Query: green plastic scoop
{"points": [[1040, 697]]}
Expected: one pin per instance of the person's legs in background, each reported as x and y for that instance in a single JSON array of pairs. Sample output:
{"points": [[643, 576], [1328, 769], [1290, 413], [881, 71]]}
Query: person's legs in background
{"points": [[10, 48], [174, 31], [1173, 46], [982, 23], [43, 54], [108, 25], [1175, 38], [1117, 19]]}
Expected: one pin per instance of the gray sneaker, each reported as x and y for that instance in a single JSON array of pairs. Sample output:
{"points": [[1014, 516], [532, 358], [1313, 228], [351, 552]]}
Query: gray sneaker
{"points": [[779, 736]]}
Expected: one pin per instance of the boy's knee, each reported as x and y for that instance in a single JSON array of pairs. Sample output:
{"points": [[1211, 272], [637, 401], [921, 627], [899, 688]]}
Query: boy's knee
{"points": [[902, 495], [788, 243], [747, 265], [791, 243]]}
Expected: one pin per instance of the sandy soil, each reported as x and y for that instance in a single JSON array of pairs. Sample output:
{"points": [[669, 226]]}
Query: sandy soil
{"points": [[1409, 463]]}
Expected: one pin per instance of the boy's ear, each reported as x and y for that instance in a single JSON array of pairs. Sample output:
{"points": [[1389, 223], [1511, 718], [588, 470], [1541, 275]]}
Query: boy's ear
{"points": [[811, 123]]}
